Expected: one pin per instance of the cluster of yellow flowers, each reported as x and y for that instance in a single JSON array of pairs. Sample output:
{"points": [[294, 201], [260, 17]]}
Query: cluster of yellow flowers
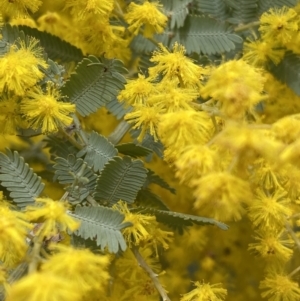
{"points": [[227, 159]]}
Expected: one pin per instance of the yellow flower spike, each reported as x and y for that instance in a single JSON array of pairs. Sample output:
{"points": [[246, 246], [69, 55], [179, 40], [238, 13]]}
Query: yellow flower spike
{"points": [[139, 231], [205, 292], [145, 118], [279, 24], [235, 92], [19, 7], [259, 52], [44, 287], [19, 68], [137, 91], [174, 65], [278, 287], [53, 215], [13, 232], [149, 15], [43, 110], [276, 247], [222, 196], [71, 264], [269, 211]]}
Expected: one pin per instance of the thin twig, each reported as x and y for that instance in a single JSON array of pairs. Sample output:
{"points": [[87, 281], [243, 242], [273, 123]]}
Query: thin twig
{"points": [[118, 133], [294, 272], [152, 275], [79, 130], [292, 233], [247, 26]]}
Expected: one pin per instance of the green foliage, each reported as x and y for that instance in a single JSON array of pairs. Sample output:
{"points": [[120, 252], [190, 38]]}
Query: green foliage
{"points": [[121, 179], [133, 150], [243, 11], [146, 198], [264, 5], [287, 71], [216, 9], [103, 225], [95, 83], [117, 108], [153, 178], [178, 221], [59, 147], [97, 152], [18, 178], [76, 172]]}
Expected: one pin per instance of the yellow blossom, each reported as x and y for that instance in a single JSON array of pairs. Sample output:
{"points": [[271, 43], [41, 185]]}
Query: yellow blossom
{"points": [[139, 231], [269, 210], [86, 270], [273, 246], [179, 129], [13, 232], [149, 15], [205, 292], [44, 287], [53, 215], [279, 287], [235, 92], [19, 68], [175, 65], [221, 195], [82, 9], [19, 7], [195, 161], [145, 118], [279, 24], [43, 110], [259, 52], [137, 91]]}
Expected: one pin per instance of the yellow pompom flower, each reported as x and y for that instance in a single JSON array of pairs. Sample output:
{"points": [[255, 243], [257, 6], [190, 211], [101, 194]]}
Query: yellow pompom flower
{"points": [[279, 24], [149, 15], [44, 287], [222, 196], [237, 86], [19, 7], [269, 211], [84, 8], [279, 287], [146, 118], [139, 231], [53, 215], [137, 91], [259, 52], [205, 292], [275, 247], [43, 110], [19, 67], [86, 270], [13, 232], [175, 65], [179, 129]]}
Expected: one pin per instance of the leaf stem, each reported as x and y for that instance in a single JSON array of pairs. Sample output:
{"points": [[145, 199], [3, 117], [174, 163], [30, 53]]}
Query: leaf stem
{"points": [[152, 275], [246, 26], [118, 133]]}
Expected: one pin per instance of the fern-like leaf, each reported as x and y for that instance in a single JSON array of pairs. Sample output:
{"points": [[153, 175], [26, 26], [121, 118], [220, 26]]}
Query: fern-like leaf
{"points": [[146, 198], [97, 152], [288, 71], [103, 225], [133, 150], [121, 179], [264, 5], [117, 108], [178, 221], [95, 83], [76, 172], [16, 176], [153, 178], [216, 9], [202, 34], [243, 11]]}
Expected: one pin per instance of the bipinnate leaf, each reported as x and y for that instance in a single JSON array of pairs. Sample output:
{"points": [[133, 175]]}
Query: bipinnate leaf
{"points": [[121, 179], [178, 221], [95, 83], [133, 150], [153, 178], [18, 178], [97, 152], [103, 225], [78, 173]]}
